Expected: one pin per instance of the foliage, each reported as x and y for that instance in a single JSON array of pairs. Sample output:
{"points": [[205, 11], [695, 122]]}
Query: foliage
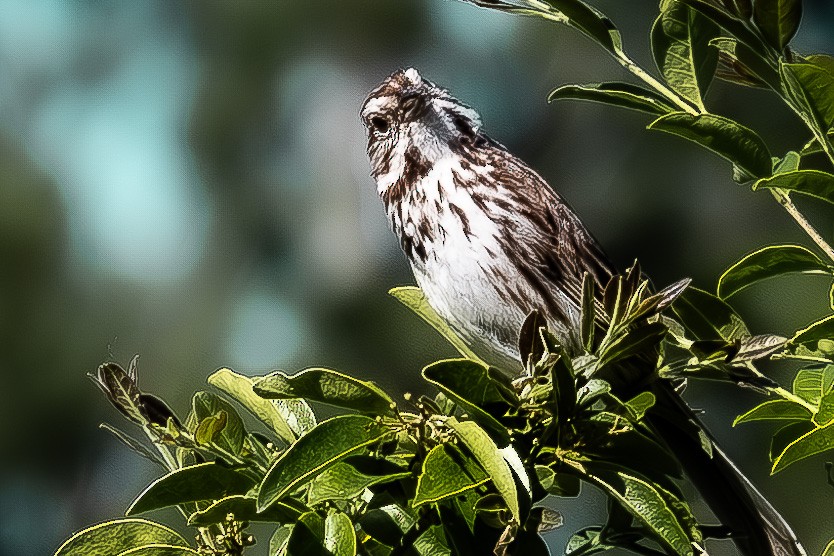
{"points": [[478, 468]]}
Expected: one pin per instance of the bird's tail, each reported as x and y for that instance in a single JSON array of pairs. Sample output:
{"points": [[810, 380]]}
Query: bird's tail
{"points": [[754, 525]]}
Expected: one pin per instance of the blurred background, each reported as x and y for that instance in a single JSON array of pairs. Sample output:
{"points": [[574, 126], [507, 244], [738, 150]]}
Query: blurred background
{"points": [[187, 181]]}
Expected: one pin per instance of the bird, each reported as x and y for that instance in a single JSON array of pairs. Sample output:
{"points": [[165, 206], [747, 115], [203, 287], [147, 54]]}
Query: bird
{"points": [[488, 240]]}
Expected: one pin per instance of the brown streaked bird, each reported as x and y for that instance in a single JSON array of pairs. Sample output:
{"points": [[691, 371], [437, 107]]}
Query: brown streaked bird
{"points": [[488, 241]]}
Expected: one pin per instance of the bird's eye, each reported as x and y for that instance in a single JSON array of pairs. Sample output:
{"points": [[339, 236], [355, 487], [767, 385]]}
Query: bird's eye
{"points": [[380, 124]]}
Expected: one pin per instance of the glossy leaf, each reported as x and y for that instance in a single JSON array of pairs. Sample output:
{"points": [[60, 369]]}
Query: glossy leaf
{"points": [[339, 536], [624, 95], [244, 508], [680, 44], [729, 22], [708, 317], [820, 330], [825, 412], [239, 387], [445, 475], [475, 388], [812, 384], [829, 549], [331, 441], [778, 20], [113, 537], [640, 404], [204, 481], [327, 386], [480, 445], [229, 437], [821, 439], [159, 550], [744, 65], [725, 137], [774, 410], [414, 298], [768, 262], [347, 479], [812, 88], [813, 183]]}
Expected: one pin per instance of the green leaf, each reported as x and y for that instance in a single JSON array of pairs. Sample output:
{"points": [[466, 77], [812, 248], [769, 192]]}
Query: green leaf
{"points": [[680, 44], [476, 388], [558, 484], [239, 387], [778, 20], [587, 541], [120, 388], [813, 183], [624, 95], [339, 535], [825, 413], [820, 330], [279, 541], [591, 22], [812, 384], [648, 505], [811, 87], [244, 508], [327, 386], [445, 475], [768, 262], [113, 537], [728, 21], [307, 536], [587, 325], [348, 479], [209, 429], [480, 445], [229, 437], [819, 440], [331, 441], [414, 298], [640, 404], [779, 410], [159, 550], [708, 317], [635, 341], [133, 444], [829, 549], [725, 137], [204, 481], [739, 8]]}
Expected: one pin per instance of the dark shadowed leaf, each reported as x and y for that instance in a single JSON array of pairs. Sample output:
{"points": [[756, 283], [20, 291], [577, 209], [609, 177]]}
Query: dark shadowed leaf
{"points": [[813, 183], [709, 318], [634, 342], [624, 95], [819, 440], [725, 137], [591, 22], [530, 345], [680, 44], [307, 536], [781, 410], [229, 437], [414, 298], [113, 537], [120, 388], [327, 386], [778, 20], [738, 63], [331, 441], [739, 8], [205, 481], [245, 509], [768, 262], [239, 387], [730, 22], [445, 474], [480, 445], [588, 312], [347, 479]]}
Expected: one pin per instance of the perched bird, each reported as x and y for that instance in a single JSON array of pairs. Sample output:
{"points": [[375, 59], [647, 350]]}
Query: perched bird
{"points": [[488, 241]]}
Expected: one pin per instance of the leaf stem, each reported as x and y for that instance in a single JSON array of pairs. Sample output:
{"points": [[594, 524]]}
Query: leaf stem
{"points": [[791, 397], [647, 78], [784, 199]]}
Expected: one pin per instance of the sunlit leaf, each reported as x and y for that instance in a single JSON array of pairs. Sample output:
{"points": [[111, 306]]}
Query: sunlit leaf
{"points": [[347, 479], [445, 475], [113, 537], [244, 508], [480, 445], [326, 386], [339, 536], [158, 549], [813, 183], [331, 441], [640, 404], [820, 330], [708, 317], [624, 95], [778, 20], [239, 387], [812, 384], [414, 298], [729, 139], [205, 481], [812, 89], [768, 262], [782, 410], [680, 44], [229, 437]]}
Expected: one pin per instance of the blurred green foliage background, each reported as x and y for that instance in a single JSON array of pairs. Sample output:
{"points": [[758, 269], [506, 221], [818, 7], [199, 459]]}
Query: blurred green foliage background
{"points": [[188, 181]]}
